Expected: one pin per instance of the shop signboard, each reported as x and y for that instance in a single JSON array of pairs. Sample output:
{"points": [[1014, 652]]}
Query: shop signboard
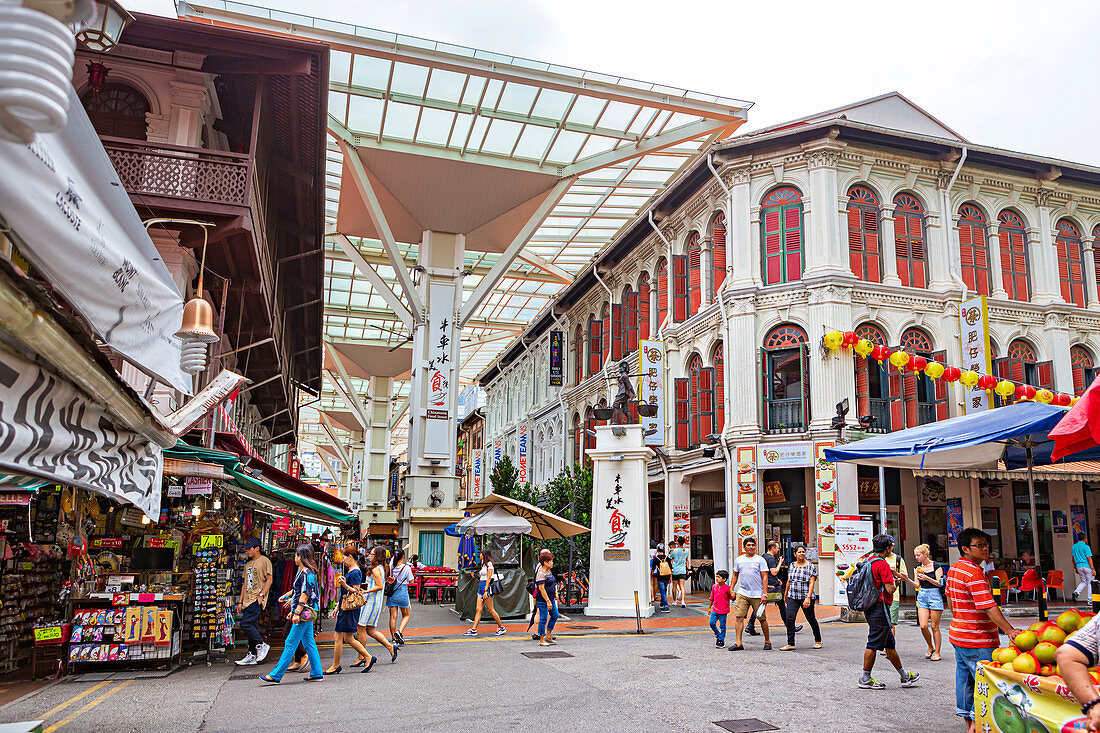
{"points": [[107, 543], [175, 491], [498, 448], [773, 492], [522, 430], [974, 317], [157, 542], [203, 403], [209, 541], [1060, 522], [557, 368], [853, 543], [786, 455], [651, 389], [746, 511], [475, 490], [198, 486], [954, 520], [825, 499], [21, 498], [51, 430], [438, 428]]}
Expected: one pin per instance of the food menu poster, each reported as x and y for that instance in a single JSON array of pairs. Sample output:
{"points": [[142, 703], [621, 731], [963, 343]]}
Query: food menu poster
{"points": [[681, 522], [825, 500], [747, 519]]}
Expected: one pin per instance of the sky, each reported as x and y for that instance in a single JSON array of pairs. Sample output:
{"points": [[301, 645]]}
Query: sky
{"points": [[1016, 75]]}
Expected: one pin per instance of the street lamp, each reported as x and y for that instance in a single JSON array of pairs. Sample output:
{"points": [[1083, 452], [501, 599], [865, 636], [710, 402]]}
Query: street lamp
{"points": [[103, 33]]}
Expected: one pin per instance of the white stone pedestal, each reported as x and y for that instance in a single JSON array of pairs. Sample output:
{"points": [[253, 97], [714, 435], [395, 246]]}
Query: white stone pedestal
{"points": [[620, 522]]}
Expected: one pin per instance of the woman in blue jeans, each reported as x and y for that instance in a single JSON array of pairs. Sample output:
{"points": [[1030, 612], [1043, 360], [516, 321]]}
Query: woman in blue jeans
{"points": [[304, 600], [545, 600]]}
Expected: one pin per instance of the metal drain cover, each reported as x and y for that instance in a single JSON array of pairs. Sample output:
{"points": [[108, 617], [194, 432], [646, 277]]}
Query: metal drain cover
{"points": [[663, 656], [745, 725], [581, 626], [547, 655]]}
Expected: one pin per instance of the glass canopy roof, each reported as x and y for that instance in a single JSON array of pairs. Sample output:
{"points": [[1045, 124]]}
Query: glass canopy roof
{"points": [[621, 138]]}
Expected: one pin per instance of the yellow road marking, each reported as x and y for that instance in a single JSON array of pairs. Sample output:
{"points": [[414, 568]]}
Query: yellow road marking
{"points": [[71, 700], [88, 706]]}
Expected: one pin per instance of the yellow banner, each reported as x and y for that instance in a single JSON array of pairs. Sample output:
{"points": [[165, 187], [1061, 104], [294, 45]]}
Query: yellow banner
{"points": [[1010, 702]]}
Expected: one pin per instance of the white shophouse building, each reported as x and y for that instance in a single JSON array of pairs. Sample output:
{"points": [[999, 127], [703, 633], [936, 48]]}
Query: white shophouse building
{"points": [[875, 218]]}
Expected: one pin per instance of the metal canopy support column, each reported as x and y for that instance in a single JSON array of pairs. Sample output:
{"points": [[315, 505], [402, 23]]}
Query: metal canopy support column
{"points": [[349, 389], [359, 414], [331, 433], [376, 281], [378, 444]]}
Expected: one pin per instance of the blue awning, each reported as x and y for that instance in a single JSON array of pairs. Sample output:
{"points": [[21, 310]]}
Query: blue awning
{"points": [[969, 442]]}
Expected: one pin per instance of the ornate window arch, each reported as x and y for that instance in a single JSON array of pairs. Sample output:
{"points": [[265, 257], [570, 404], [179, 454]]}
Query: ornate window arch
{"points": [[916, 341], [1021, 364], [694, 251], [1083, 366], [785, 336], [1071, 262], [786, 372], [974, 246], [872, 384], [717, 252], [909, 239], [117, 110], [781, 220], [864, 250], [1015, 261]]}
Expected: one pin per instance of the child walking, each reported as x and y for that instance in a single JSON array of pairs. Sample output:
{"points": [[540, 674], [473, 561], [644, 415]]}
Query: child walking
{"points": [[719, 607]]}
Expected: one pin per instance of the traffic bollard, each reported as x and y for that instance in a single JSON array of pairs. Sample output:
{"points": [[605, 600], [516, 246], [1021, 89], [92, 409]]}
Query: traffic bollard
{"points": [[1042, 596], [638, 612], [995, 586], [1095, 596]]}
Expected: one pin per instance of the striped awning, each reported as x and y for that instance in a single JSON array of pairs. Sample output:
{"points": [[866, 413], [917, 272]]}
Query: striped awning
{"points": [[1073, 471], [15, 482]]}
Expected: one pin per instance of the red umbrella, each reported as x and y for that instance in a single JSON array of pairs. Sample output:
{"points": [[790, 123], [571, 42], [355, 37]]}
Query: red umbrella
{"points": [[1080, 428]]}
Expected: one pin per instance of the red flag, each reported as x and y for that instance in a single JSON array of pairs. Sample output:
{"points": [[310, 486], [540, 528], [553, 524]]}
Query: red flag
{"points": [[1080, 428]]}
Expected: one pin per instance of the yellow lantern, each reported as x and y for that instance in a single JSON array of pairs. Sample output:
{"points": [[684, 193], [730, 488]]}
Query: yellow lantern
{"points": [[968, 378], [1074, 401], [863, 347], [1045, 396], [834, 339], [934, 370], [899, 359], [1005, 388]]}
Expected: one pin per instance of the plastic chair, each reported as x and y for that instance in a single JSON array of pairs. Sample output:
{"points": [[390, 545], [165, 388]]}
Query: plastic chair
{"points": [[1054, 581], [1013, 585], [999, 575]]}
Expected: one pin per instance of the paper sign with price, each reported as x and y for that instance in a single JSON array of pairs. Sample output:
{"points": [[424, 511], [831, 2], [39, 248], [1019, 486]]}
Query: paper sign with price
{"points": [[211, 541], [47, 633]]}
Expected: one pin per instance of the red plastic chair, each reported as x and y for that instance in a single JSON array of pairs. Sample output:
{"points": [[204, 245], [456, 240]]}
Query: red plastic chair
{"points": [[1054, 581]]}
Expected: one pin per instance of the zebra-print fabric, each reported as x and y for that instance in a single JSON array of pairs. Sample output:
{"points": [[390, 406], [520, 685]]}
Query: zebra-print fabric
{"points": [[51, 429]]}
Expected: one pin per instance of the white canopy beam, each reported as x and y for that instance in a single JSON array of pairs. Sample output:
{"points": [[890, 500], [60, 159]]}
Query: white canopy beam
{"points": [[331, 433], [535, 261], [376, 281], [356, 408], [402, 408], [690, 131]]}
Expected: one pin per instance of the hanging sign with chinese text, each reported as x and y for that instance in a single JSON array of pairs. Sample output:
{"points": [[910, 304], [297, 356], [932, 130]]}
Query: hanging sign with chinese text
{"points": [[438, 368], [557, 370], [786, 455], [618, 523], [974, 318], [651, 389]]}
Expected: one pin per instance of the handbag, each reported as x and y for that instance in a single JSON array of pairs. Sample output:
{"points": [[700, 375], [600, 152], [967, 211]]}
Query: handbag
{"points": [[353, 599], [496, 587]]}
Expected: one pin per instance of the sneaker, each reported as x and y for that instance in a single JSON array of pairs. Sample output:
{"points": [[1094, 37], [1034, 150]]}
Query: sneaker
{"points": [[719, 643], [871, 684], [470, 632], [500, 631], [752, 632], [261, 651], [909, 679], [768, 646], [248, 659], [683, 605], [798, 628], [787, 648], [666, 609], [737, 648]]}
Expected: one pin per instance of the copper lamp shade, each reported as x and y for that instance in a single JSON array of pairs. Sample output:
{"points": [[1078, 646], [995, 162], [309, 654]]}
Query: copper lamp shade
{"points": [[198, 322]]}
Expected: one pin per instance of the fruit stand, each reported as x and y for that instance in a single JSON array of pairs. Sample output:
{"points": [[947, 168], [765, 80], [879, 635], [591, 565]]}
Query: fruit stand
{"points": [[1020, 691]]}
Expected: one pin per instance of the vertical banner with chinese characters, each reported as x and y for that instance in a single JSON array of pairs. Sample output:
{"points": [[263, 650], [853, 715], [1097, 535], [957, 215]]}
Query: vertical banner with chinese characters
{"points": [[825, 498], [557, 367], [974, 318], [438, 430], [745, 517], [618, 523], [651, 389], [522, 430]]}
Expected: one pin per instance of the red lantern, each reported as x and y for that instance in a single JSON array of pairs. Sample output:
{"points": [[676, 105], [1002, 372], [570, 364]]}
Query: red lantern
{"points": [[1062, 400], [987, 381], [850, 339], [951, 374], [97, 76], [1025, 392], [880, 353], [916, 364]]}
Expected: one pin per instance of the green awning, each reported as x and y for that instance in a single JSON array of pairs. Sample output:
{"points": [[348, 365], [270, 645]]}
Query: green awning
{"points": [[14, 482]]}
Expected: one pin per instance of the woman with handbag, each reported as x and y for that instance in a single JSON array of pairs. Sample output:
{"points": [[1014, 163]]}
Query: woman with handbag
{"points": [[349, 599], [487, 584], [397, 596], [546, 598], [372, 609], [304, 603]]}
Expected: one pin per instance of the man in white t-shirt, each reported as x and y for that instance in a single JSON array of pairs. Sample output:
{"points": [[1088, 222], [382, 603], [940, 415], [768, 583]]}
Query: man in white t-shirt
{"points": [[749, 578]]}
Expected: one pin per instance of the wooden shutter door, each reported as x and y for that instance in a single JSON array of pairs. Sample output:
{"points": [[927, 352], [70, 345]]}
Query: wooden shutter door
{"points": [[595, 340], [804, 365], [631, 322], [909, 395], [1061, 246], [662, 295], [863, 390], [792, 241], [1078, 379], [718, 255], [916, 252], [941, 387], [773, 248], [897, 405], [1044, 373], [719, 390], [870, 245], [682, 387], [643, 311], [693, 376], [706, 403], [855, 242], [605, 330], [695, 276], [981, 261], [680, 288], [616, 332], [764, 391], [901, 247]]}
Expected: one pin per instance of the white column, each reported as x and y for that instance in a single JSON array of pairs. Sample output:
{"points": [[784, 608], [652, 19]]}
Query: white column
{"points": [[673, 369], [678, 494], [378, 442], [830, 378], [938, 248], [741, 348], [1043, 256], [190, 102], [1088, 262], [993, 232], [353, 489], [1056, 343], [619, 558], [824, 248], [888, 248], [706, 281], [742, 235]]}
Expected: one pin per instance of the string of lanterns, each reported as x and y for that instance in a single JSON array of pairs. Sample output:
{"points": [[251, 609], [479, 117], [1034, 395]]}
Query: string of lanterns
{"points": [[907, 363]]}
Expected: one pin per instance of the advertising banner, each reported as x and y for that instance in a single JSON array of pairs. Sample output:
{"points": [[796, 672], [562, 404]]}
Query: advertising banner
{"points": [[746, 510], [557, 358], [681, 522], [1077, 519], [853, 543], [651, 388], [475, 480], [786, 455], [522, 452], [954, 520], [1006, 701], [825, 499], [974, 317]]}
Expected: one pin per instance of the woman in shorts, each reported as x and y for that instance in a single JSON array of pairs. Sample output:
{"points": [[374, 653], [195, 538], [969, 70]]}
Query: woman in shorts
{"points": [[928, 579]]}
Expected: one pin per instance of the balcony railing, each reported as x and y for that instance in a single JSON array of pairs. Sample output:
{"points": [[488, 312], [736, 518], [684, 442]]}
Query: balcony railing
{"points": [[785, 416], [926, 413], [196, 174], [880, 410]]}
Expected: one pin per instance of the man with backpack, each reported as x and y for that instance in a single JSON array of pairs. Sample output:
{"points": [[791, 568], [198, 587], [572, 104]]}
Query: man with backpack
{"points": [[871, 590], [661, 568]]}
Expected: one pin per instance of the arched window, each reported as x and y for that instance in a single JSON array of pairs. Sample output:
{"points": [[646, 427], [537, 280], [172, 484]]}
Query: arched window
{"points": [[872, 386], [717, 252], [1071, 262], [662, 293], [1022, 366], [694, 415], [117, 110], [644, 316], [1084, 371], [578, 355], [1015, 265], [694, 251], [918, 391], [605, 320], [909, 240], [785, 363], [578, 437], [630, 311], [718, 359], [595, 345], [863, 234], [781, 218], [974, 246]]}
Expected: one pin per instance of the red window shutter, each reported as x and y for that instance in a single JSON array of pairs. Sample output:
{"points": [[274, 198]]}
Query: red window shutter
{"points": [[718, 255], [605, 331], [680, 288], [941, 387], [578, 364], [792, 242], [595, 346], [1061, 247], [695, 274], [693, 376], [855, 242], [1015, 369], [662, 294], [706, 403], [805, 379], [909, 396], [631, 322], [897, 405], [719, 389], [1078, 379], [643, 309], [981, 261], [616, 332], [773, 248], [870, 239], [682, 388], [863, 393], [1044, 373]]}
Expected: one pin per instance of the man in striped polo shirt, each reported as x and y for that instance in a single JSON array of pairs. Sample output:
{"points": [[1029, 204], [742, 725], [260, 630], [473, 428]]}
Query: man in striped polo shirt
{"points": [[975, 618]]}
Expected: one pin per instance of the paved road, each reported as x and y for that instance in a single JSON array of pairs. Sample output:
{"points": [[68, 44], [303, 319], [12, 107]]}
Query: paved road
{"points": [[487, 684]]}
